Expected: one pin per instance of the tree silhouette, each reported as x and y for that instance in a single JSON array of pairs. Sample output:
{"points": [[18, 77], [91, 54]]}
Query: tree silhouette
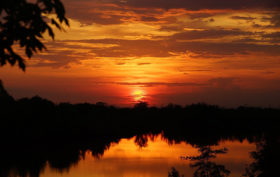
{"points": [[23, 22], [206, 168], [5, 98], [265, 157]]}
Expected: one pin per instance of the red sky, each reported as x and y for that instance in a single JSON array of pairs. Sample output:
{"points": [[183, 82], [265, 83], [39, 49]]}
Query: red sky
{"points": [[159, 51]]}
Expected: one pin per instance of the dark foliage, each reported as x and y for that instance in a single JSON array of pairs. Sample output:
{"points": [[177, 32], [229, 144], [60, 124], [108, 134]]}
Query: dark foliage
{"points": [[23, 22], [174, 173], [266, 158], [206, 168]]}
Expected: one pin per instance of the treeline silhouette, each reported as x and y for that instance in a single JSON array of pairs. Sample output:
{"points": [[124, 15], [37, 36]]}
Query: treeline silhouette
{"points": [[35, 131]]}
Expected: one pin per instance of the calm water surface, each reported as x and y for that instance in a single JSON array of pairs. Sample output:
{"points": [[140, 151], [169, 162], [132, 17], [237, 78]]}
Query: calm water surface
{"points": [[126, 159]]}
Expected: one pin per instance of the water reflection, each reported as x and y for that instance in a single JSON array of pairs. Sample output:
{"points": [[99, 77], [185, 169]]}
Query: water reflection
{"points": [[128, 159], [125, 157]]}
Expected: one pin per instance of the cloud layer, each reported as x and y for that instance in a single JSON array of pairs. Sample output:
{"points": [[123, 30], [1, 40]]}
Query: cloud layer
{"points": [[177, 51]]}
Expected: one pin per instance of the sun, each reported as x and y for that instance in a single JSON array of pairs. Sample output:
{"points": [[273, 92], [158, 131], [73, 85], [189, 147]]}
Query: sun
{"points": [[138, 95]]}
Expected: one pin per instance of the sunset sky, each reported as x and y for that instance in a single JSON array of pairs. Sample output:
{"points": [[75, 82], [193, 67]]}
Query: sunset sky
{"points": [[224, 52]]}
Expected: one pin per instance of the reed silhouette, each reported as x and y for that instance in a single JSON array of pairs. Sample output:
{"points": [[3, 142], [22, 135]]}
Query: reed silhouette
{"points": [[174, 173]]}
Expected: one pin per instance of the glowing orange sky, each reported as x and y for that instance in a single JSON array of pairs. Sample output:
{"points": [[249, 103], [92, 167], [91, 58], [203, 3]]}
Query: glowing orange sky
{"points": [[159, 51]]}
